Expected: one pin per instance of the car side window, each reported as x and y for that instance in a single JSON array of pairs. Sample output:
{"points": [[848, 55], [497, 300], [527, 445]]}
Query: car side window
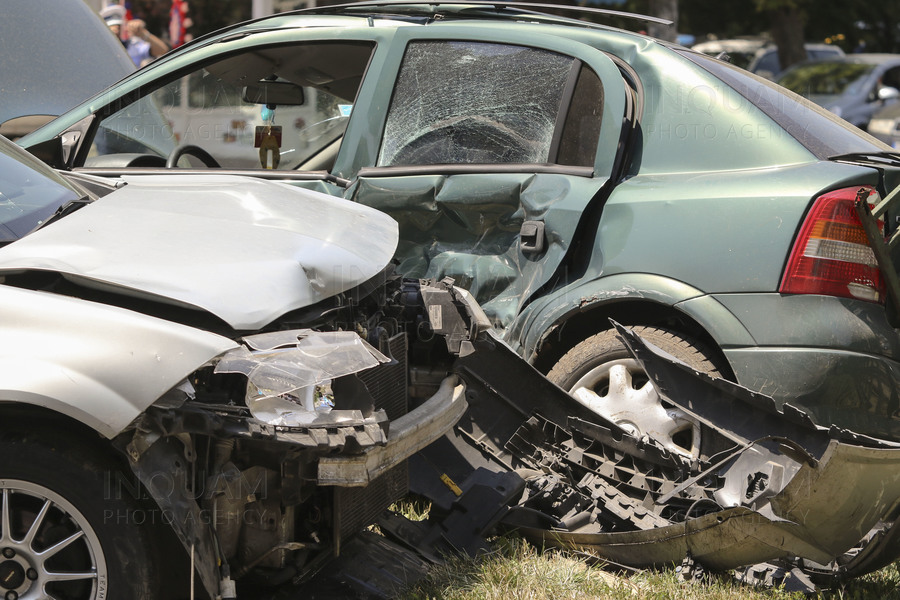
{"points": [[305, 92], [469, 102], [581, 128], [891, 78]]}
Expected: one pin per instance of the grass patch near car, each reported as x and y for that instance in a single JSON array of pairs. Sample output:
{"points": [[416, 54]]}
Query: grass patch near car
{"points": [[516, 569]]}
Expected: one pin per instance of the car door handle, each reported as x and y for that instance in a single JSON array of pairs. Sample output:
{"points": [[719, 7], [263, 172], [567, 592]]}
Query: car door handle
{"points": [[531, 236]]}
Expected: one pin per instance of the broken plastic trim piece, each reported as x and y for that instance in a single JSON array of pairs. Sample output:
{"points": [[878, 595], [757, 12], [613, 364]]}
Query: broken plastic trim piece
{"points": [[454, 314], [408, 434], [814, 498], [779, 487], [287, 373]]}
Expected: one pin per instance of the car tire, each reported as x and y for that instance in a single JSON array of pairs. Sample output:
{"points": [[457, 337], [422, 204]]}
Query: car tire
{"points": [[66, 528], [601, 373]]}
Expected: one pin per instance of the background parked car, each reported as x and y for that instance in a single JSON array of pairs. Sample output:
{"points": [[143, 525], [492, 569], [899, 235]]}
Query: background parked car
{"points": [[766, 63], [854, 87], [646, 183], [740, 51], [885, 125], [760, 56]]}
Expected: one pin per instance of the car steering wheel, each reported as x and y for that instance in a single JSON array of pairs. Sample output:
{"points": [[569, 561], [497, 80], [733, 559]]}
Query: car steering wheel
{"points": [[191, 150]]}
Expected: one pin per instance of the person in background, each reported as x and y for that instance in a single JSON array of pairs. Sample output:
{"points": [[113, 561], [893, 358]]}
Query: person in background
{"points": [[141, 45]]}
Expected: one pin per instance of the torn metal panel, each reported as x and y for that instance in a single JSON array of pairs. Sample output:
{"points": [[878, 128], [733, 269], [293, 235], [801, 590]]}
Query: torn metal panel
{"points": [[453, 226]]}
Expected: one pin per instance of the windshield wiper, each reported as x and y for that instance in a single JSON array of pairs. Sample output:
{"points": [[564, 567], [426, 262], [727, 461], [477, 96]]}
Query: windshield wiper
{"points": [[64, 210], [884, 158]]}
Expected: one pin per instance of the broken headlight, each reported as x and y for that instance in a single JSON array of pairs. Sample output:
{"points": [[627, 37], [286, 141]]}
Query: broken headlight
{"points": [[290, 374]]}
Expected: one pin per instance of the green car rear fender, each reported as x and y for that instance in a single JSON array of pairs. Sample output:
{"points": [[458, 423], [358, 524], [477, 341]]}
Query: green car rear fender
{"points": [[590, 304]]}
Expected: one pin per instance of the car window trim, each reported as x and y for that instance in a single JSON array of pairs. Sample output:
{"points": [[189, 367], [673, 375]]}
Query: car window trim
{"points": [[476, 168], [270, 174], [145, 90], [565, 106]]}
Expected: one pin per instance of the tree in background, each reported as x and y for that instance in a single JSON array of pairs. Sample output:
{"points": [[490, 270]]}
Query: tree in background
{"points": [[209, 15], [722, 19], [869, 25], [787, 21], [877, 26], [854, 25]]}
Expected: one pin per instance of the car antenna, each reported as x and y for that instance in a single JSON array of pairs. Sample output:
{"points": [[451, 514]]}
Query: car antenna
{"points": [[496, 5]]}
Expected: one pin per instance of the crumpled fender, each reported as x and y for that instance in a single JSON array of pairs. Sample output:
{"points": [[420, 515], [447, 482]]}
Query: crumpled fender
{"points": [[98, 364]]}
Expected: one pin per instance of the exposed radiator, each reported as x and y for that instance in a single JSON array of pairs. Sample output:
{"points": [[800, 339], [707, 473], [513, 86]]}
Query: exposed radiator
{"points": [[357, 507]]}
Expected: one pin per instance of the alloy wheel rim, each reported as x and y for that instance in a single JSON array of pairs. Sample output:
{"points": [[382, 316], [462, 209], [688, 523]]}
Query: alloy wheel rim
{"points": [[621, 392], [48, 549]]}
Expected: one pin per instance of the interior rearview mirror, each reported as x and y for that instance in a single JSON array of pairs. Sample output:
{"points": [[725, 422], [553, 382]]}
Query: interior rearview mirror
{"points": [[278, 93]]}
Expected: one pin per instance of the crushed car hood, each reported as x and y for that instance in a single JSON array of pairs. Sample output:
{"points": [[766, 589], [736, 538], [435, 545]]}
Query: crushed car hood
{"points": [[245, 250]]}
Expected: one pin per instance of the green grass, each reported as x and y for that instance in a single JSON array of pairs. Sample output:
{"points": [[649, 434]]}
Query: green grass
{"points": [[515, 569]]}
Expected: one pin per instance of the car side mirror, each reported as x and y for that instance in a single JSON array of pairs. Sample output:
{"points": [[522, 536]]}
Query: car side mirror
{"points": [[276, 93], [49, 152], [888, 93], [60, 152]]}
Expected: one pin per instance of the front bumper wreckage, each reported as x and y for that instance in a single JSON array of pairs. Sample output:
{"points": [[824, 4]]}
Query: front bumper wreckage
{"points": [[496, 446], [773, 493]]}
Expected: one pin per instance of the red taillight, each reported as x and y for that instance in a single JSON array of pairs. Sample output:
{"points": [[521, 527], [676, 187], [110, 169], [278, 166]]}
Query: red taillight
{"points": [[832, 255]]}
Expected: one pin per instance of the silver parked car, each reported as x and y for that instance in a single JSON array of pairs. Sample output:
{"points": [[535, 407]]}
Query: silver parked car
{"points": [[885, 125], [853, 87], [766, 62]]}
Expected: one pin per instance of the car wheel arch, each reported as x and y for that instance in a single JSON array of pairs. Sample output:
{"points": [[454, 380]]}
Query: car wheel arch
{"points": [[34, 417], [68, 410], [576, 327]]}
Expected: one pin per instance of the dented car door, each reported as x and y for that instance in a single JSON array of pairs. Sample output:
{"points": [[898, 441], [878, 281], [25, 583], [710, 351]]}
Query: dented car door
{"points": [[487, 172]]}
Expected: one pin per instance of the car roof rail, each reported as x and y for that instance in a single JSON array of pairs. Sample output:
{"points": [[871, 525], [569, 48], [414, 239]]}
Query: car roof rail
{"points": [[497, 5], [387, 4]]}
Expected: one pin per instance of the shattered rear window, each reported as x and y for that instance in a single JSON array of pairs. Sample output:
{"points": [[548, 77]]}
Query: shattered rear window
{"points": [[476, 103]]}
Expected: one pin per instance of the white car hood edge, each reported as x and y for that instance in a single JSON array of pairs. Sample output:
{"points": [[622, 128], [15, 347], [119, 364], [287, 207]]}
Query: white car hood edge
{"points": [[243, 249]]}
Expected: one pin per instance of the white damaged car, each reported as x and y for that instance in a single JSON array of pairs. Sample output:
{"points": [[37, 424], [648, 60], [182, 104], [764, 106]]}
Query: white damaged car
{"points": [[220, 358]]}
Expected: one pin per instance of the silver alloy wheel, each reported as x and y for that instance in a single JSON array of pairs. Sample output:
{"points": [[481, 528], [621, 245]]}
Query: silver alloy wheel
{"points": [[47, 546], [620, 391]]}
